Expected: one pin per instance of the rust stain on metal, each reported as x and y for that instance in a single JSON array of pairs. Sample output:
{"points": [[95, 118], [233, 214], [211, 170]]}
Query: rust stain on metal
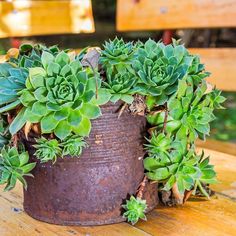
{"points": [[91, 189], [98, 139]]}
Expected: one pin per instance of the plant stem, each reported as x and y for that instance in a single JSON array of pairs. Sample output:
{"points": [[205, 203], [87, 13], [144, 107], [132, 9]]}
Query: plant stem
{"points": [[141, 187], [122, 110], [178, 197], [165, 119], [203, 190]]}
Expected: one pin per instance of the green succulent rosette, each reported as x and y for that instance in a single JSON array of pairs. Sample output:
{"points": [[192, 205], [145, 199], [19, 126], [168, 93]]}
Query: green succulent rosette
{"points": [[160, 67], [73, 146], [117, 56], [121, 86], [14, 73], [135, 209], [60, 96]]}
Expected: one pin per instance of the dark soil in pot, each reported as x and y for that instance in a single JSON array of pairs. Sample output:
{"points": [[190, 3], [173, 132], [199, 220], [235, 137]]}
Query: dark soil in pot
{"points": [[89, 190]]}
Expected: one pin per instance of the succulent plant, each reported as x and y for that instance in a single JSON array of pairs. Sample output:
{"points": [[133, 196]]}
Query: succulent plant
{"points": [[170, 161], [121, 86], [12, 80], [14, 72], [159, 69], [189, 111], [208, 174], [30, 56], [4, 132], [62, 92], [60, 96], [73, 145], [117, 56], [47, 150], [50, 150], [13, 167], [135, 210]]}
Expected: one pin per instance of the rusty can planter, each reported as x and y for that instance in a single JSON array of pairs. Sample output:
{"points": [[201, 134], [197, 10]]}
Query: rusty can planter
{"points": [[90, 190]]}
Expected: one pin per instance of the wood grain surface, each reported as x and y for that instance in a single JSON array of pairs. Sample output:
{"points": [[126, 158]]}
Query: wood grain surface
{"points": [[197, 217], [134, 15], [221, 63]]}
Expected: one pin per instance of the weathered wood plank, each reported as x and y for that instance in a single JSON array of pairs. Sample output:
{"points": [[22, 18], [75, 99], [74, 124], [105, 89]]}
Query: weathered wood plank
{"points": [[20, 224], [220, 62], [215, 217], [220, 146], [155, 15], [226, 172], [197, 217], [26, 18]]}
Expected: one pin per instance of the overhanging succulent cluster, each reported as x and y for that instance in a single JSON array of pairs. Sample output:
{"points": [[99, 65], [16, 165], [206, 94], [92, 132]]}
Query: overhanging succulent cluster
{"points": [[50, 150], [170, 161], [180, 105]]}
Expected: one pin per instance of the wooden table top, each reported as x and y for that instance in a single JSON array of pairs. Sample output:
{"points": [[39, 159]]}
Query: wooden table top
{"points": [[196, 217]]}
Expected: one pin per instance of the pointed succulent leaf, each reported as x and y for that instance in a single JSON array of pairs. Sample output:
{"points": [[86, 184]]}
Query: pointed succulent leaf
{"points": [[47, 58]]}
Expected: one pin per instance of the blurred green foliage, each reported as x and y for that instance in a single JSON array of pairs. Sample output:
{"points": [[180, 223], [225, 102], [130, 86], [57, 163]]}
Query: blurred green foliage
{"points": [[224, 127]]}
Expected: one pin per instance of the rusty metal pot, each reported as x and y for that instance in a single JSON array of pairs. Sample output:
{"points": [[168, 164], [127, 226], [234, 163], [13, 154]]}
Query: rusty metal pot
{"points": [[89, 190]]}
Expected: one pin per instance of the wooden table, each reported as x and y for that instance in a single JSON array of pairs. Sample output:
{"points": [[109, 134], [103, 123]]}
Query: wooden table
{"points": [[197, 217]]}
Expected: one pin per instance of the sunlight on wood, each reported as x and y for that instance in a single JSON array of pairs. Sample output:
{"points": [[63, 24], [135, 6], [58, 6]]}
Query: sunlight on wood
{"points": [[220, 146], [153, 15], [221, 63], [28, 17], [197, 217]]}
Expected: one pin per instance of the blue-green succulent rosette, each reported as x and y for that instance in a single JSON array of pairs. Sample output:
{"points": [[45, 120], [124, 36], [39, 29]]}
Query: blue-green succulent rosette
{"points": [[61, 95]]}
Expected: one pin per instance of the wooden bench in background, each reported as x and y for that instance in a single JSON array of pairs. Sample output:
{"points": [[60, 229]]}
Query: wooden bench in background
{"points": [[136, 15], [29, 17]]}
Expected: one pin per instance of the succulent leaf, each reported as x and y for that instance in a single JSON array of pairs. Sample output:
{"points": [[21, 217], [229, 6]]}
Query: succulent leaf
{"points": [[117, 56]]}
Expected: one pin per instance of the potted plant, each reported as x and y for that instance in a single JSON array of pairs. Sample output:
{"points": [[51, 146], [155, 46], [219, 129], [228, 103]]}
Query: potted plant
{"points": [[78, 125]]}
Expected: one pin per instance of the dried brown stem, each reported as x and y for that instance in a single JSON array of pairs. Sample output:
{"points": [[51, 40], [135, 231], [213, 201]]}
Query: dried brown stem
{"points": [[9, 118], [14, 140], [178, 197], [142, 187], [122, 110], [187, 194], [94, 72], [27, 129]]}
